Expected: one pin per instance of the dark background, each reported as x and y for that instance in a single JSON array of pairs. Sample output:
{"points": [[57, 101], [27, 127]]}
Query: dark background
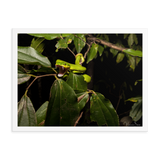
{"points": [[114, 81]]}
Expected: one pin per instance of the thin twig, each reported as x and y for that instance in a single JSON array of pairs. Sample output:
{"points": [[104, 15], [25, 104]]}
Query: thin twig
{"points": [[40, 77], [78, 119], [69, 48], [89, 45], [81, 39], [120, 96], [71, 51], [124, 113]]}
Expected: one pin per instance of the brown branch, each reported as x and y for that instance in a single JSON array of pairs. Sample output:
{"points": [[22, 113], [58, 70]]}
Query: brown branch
{"points": [[78, 119], [89, 45], [106, 43], [40, 77], [69, 48]]}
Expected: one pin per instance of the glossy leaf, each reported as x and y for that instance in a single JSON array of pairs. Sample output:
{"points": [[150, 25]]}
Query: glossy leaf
{"points": [[37, 44], [102, 111], [28, 55], [130, 40], [22, 75], [135, 39], [43, 70], [26, 112], [47, 36], [63, 106], [100, 50], [137, 81], [120, 57], [133, 52], [76, 82], [66, 34], [83, 98], [61, 44], [69, 39], [136, 111], [92, 53], [79, 44], [113, 51], [131, 61], [134, 99], [41, 113]]}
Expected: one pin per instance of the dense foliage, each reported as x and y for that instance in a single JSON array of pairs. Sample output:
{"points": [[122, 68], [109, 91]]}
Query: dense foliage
{"points": [[112, 97]]}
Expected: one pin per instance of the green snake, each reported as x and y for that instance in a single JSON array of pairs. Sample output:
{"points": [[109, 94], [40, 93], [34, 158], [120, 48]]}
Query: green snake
{"points": [[76, 68]]}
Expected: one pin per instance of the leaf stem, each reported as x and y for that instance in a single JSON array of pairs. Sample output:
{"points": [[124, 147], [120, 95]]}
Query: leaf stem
{"points": [[40, 77], [78, 119], [69, 48], [89, 45]]}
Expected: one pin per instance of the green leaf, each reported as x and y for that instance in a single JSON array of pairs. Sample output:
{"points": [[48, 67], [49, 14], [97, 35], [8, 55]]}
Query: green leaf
{"points": [[92, 53], [134, 99], [135, 39], [66, 34], [125, 36], [83, 98], [61, 44], [28, 55], [133, 52], [130, 40], [102, 111], [69, 39], [26, 112], [37, 44], [47, 36], [76, 82], [100, 50], [113, 51], [63, 106], [79, 44], [43, 70], [137, 81], [22, 75], [136, 111], [41, 113], [131, 61], [119, 57]]}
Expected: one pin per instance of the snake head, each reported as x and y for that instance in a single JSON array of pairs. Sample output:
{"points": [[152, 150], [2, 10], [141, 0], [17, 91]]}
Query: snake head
{"points": [[63, 67]]}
